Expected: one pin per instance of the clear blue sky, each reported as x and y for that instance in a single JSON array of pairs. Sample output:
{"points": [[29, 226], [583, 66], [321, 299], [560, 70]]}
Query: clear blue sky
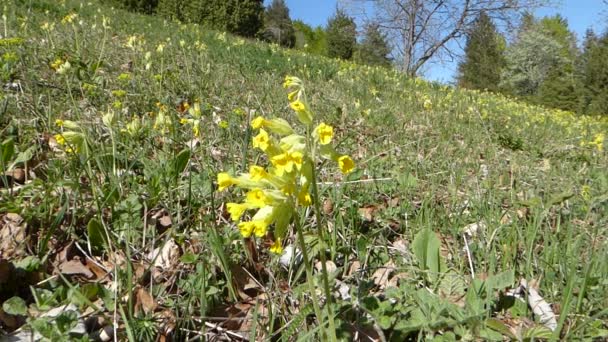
{"points": [[581, 14]]}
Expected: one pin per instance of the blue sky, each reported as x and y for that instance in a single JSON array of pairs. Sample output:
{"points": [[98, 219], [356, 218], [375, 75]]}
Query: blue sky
{"points": [[581, 14]]}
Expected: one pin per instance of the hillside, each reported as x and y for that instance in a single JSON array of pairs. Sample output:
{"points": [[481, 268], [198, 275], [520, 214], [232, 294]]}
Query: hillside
{"points": [[464, 212]]}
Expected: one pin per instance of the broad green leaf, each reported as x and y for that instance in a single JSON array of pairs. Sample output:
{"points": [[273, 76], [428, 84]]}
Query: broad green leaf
{"points": [[7, 150], [181, 161], [426, 248], [500, 281], [15, 306], [499, 326], [97, 237], [29, 263], [189, 258]]}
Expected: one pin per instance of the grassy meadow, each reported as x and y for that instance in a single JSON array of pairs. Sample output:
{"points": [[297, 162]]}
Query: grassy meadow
{"points": [[468, 216]]}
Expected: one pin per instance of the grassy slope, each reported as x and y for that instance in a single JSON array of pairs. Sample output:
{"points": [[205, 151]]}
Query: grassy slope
{"points": [[442, 159]]}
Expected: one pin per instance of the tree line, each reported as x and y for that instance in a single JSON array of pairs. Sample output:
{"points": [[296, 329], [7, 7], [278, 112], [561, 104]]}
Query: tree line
{"points": [[249, 18], [542, 64]]}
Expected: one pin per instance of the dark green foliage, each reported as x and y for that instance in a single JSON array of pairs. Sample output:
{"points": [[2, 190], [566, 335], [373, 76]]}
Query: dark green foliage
{"points": [[242, 17], [540, 64], [313, 40], [484, 58], [341, 35], [143, 6], [278, 27], [594, 98], [374, 49]]}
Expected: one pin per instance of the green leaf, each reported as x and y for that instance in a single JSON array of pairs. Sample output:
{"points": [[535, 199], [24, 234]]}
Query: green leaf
{"points": [[355, 175], [7, 150], [499, 326], [189, 258], [426, 248], [500, 281], [15, 306], [181, 161], [29, 263], [97, 237]]}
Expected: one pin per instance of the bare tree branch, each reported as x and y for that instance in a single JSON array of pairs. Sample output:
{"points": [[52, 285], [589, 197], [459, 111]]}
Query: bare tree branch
{"points": [[422, 30]]}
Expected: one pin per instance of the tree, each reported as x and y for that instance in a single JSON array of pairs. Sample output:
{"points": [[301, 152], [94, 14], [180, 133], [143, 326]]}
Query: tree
{"points": [[540, 64], [278, 27], [341, 35], [483, 60], [374, 49], [313, 40], [594, 99], [421, 30], [528, 62], [242, 17]]}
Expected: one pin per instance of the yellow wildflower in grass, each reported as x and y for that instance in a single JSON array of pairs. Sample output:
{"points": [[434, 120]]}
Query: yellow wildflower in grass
{"points": [[278, 189], [304, 115], [224, 180], [236, 210], [276, 247], [262, 140], [246, 228], [324, 133], [346, 164], [256, 198]]}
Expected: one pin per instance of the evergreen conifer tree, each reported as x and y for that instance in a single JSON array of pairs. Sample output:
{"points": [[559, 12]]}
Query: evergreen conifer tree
{"points": [[341, 35], [484, 58], [374, 49], [278, 27]]}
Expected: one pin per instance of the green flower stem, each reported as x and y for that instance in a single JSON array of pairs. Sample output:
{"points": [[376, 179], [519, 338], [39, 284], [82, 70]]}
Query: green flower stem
{"points": [[309, 275], [321, 235]]}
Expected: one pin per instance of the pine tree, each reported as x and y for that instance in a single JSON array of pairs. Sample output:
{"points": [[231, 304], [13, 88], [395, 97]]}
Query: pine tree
{"points": [[374, 49], [341, 35], [278, 27], [594, 99], [484, 60]]}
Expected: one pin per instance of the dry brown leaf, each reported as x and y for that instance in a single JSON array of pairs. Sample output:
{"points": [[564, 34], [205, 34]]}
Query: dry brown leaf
{"points": [[145, 302], [75, 267], [329, 265], [165, 256], [382, 274], [328, 207], [368, 212], [12, 236], [354, 268]]}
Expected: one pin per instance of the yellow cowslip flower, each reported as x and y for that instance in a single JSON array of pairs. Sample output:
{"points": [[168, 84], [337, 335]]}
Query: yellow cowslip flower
{"points": [[291, 81], [256, 198], [59, 123], [257, 173], [262, 140], [304, 115], [246, 228], [224, 180], [324, 133], [184, 121], [276, 247], [294, 95], [258, 122], [282, 163], [346, 164], [297, 158], [59, 139], [56, 64], [304, 198], [236, 210]]}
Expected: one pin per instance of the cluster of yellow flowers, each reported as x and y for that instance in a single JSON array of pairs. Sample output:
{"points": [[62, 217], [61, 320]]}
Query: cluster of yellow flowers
{"points": [[276, 191]]}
